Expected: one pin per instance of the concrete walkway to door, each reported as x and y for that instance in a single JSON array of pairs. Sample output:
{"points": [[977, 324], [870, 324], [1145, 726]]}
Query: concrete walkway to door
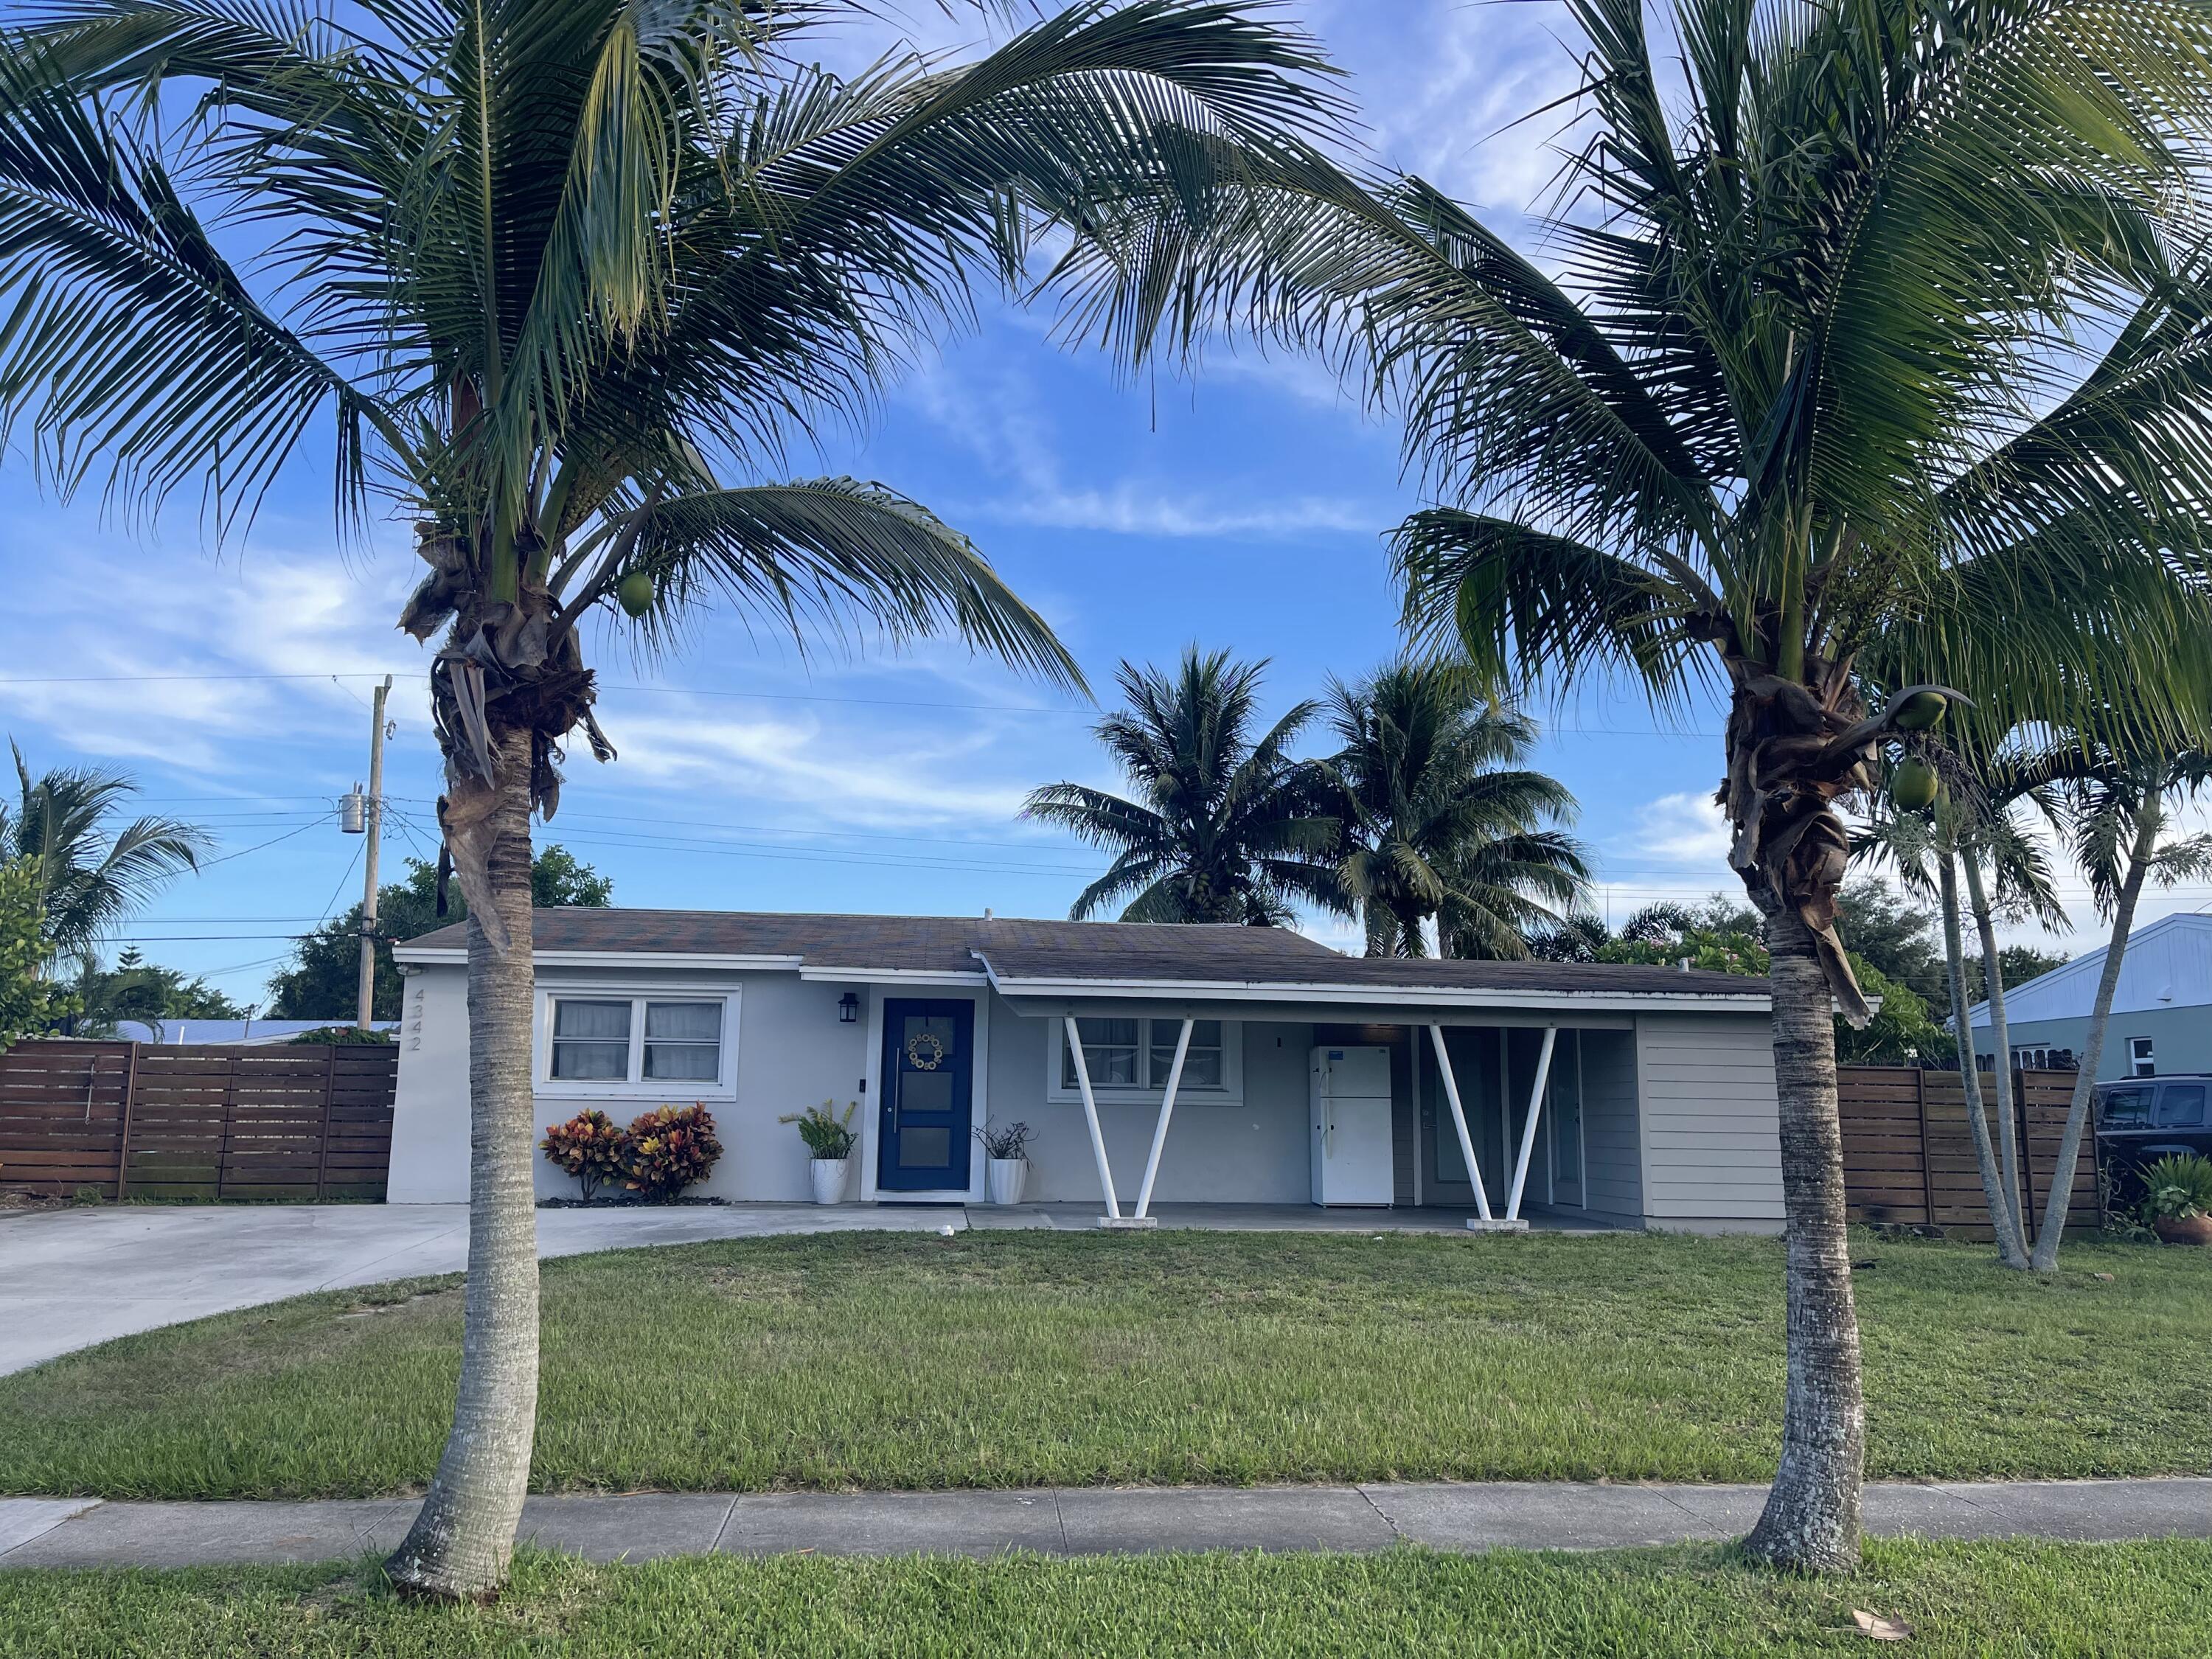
{"points": [[71, 1278]]}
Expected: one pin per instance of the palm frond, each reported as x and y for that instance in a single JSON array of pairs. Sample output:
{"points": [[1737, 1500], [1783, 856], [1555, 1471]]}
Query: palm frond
{"points": [[127, 334], [1525, 606], [816, 554]]}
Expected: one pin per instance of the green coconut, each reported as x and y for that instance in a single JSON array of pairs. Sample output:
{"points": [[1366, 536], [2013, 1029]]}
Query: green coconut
{"points": [[1920, 711], [635, 592], [1914, 785]]}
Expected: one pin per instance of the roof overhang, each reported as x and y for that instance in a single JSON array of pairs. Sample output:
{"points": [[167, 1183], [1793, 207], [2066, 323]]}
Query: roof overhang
{"points": [[896, 975], [1355, 1004]]}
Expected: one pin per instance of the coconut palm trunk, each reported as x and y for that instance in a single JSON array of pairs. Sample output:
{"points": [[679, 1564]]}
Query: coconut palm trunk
{"points": [[2012, 1251], [1812, 1515], [2140, 853], [463, 1535], [2000, 1044]]}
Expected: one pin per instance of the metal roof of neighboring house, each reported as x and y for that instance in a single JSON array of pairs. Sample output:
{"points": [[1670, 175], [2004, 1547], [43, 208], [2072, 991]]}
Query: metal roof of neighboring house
{"points": [[253, 1032], [2168, 964], [1035, 954]]}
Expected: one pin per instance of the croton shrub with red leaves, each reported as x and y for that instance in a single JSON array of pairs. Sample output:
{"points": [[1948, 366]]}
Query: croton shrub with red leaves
{"points": [[589, 1147], [663, 1152], [670, 1148]]}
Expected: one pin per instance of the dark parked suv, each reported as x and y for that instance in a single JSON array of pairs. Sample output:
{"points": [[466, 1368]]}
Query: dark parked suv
{"points": [[2141, 1119]]}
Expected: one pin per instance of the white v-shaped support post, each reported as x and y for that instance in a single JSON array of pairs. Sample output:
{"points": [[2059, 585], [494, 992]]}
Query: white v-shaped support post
{"points": [[1091, 1116], [1160, 1130], [1528, 1128], [1459, 1120]]}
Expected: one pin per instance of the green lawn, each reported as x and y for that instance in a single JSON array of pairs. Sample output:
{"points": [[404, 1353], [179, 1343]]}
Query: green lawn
{"points": [[2128, 1601], [1023, 1357]]}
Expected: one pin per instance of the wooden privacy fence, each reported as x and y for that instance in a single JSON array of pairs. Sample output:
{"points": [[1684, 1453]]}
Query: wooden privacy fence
{"points": [[1909, 1157], [139, 1120]]}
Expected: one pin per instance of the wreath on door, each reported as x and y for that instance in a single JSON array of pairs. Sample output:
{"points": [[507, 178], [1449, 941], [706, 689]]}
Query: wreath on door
{"points": [[925, 1051]]}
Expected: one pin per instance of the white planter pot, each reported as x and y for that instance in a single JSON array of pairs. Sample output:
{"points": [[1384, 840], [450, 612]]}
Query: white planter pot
{"points": [[828, 1176], [1006, 1176]]}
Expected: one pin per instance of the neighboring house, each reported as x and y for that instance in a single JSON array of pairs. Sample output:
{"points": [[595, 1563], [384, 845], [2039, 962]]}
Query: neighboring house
{"points": [[1660, 1103], [254, 1033], [2161, 1011]]}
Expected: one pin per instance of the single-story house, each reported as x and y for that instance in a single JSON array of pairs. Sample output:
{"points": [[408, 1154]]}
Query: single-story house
{"points": [[2161, 1008], [1153, 1063]]}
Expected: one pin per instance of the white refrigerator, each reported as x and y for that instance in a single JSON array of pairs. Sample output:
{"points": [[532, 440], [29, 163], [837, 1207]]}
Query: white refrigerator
{"points": [[1351, 1126]]}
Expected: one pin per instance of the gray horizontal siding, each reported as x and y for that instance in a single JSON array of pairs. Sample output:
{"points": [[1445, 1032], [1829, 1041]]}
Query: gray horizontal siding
{"points": [[1711, 1143]]}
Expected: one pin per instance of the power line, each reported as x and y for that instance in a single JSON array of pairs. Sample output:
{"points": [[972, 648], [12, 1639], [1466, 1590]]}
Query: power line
{"points": [[324, 818]]}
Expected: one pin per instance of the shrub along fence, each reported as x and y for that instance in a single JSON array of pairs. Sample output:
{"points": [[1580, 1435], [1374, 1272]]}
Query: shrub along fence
{"points": [[1909, 1157], [137, 1119]]}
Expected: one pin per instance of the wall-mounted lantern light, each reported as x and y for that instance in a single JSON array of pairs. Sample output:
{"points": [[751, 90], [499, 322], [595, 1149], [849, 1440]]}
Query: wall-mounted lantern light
{"points": [[848, 1009]]}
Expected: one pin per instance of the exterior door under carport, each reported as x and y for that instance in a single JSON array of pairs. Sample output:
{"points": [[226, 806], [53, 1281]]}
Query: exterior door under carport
{"points": [[1496, 1068], [1474, 1051]]}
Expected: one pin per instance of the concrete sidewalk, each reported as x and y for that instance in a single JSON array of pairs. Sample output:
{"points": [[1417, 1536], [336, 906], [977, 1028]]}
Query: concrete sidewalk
{"points": [[42, 1532]]}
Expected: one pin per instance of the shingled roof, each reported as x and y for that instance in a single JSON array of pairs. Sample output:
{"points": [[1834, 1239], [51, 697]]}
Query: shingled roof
{"points": [[1021, 949]]}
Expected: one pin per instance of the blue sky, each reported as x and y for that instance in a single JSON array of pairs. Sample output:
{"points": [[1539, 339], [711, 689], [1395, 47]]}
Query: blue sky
{"points": [[1244, 510]]}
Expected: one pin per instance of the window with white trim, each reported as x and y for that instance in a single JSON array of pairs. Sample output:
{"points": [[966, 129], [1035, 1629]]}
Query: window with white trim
{"points": [[2142, 1059], [611, 1042], [1133, 1058]]}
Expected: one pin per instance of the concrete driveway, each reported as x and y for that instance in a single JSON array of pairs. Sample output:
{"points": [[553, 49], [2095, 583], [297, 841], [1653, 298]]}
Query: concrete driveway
{"points": [[71, 1278]]}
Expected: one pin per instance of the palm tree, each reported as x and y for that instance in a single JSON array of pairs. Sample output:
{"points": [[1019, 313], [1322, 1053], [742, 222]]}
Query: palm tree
{"points": [[93, 872], [1442, 825], [1223, 827], [2121, 824], [1809, 391], [565, 277]]}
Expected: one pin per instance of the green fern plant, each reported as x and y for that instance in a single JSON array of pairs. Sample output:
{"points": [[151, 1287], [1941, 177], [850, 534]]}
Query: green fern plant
{"points": [[827, 1135]]}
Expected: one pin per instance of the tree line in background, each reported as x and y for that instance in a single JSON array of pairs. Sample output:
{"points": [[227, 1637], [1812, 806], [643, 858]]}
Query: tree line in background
{"points": [[325, 973], [73, 871], [1805, 413], [1421, 824]]}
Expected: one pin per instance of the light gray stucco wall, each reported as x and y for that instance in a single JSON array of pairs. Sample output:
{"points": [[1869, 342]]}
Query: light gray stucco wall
{"points": [[792, 1053], [431, 1107], [1255, 1152], [1710, 1128], [2181, 1039]]}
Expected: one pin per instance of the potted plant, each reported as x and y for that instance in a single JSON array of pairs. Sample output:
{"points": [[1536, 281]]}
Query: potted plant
{"points": [[829, 1137], [1006, 1145], [2179, 1198]]}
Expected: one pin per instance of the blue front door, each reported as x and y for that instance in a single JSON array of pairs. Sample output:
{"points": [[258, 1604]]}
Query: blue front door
{"points": [[928, 1068]]}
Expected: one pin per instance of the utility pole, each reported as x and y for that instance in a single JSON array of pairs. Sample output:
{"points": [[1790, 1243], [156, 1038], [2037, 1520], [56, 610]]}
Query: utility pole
{"points": [[374, 825]]}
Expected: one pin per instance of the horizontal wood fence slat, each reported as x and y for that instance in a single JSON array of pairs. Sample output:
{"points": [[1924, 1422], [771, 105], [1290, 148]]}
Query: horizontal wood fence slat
{"points": [[152, 1121], [1909, 1150]]}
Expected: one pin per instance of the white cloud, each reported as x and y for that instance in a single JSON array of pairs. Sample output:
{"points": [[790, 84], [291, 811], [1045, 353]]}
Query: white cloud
{"points": [[1684, 828], [120, 648], [894, 780], [1129, 509], [994, 410]]}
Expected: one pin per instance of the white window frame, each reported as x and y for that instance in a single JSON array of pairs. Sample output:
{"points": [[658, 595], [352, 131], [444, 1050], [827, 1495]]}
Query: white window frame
{"points": [[2143, 1057], [674, 1090], [1152, 1081]]}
